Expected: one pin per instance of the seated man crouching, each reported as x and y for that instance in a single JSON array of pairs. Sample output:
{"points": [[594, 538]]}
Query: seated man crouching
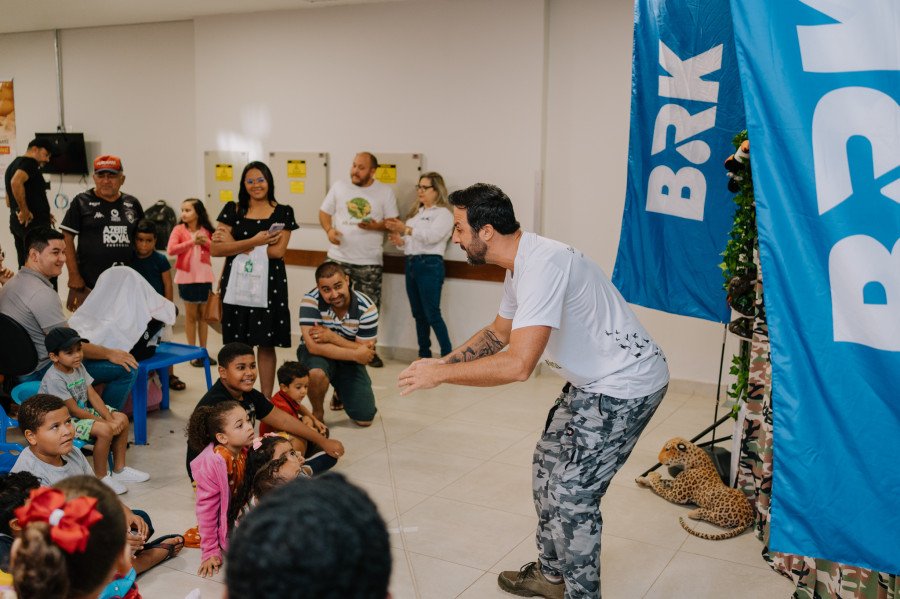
{"points": [[339, 327]]}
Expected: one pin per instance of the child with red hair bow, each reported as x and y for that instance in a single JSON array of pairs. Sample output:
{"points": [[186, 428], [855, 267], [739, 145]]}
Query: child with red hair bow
{"points": [[72, 541]]}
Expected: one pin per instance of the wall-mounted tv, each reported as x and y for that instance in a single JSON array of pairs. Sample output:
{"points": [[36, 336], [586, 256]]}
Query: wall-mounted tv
{"points": [[68, 156]]}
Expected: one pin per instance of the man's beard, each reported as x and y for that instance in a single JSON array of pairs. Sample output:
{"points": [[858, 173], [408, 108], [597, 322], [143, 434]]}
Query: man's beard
{"points": [[476, 252]]}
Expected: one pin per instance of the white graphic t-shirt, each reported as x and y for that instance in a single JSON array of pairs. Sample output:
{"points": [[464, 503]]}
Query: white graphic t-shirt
{"points": [[597, 343], [350, 205]]}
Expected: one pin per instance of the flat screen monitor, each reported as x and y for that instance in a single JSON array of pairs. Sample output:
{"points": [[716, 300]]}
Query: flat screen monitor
{"points": [[68, 156]]}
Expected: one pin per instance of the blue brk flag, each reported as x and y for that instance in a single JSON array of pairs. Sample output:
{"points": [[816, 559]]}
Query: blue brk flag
{"points": [[686, 107], [822, 82]]}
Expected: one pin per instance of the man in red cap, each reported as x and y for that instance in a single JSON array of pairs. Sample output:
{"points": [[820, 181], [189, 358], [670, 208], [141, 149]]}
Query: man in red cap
{"points": [[104, 219]]}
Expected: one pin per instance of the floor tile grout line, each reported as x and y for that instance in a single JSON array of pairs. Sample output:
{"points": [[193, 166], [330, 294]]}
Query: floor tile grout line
{"points": [[661, 571]]}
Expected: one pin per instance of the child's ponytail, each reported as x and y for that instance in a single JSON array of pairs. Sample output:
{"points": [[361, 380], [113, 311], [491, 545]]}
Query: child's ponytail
{"points": [[39, 568], [206, 422], [72, 536]]}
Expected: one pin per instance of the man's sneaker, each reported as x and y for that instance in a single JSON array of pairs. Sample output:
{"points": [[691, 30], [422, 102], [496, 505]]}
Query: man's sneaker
{"points": [[529, 581], [130, 475], [376, 362], [117, 487]]}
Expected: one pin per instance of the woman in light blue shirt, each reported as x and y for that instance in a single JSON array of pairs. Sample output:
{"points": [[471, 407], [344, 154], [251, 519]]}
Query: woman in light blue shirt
{"points": [[423, 238]]}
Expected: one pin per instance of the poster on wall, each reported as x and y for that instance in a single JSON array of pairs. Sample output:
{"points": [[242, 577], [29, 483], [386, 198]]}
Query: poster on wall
{"points": [[822, 86], [7, 128], [686, 106]]}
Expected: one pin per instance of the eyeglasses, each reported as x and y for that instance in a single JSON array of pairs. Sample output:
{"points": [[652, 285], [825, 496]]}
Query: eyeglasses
{"points": [[424, 187], [256, 181]]}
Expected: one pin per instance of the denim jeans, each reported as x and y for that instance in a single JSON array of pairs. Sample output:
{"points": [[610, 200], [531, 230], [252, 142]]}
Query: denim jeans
{"points": [[424, 279], [118, 381]]}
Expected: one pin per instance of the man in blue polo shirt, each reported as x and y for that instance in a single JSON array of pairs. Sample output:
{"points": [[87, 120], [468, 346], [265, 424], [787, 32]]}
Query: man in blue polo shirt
{"points": [[339, 327]]}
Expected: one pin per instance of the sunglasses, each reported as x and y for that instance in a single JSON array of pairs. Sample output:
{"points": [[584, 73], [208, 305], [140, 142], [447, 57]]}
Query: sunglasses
{"points": [[424, 187]]}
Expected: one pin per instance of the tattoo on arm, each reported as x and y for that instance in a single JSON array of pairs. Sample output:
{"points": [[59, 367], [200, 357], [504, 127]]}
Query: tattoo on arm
{"points": [[487, 345]]}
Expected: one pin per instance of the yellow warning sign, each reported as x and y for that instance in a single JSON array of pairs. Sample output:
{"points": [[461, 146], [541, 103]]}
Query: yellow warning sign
{"points": [[224, 172], [386, 173], [296, 169], [298, 187], [226, 195]]}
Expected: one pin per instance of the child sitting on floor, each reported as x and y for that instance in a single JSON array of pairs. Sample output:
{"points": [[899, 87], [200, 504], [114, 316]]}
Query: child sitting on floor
{"points": [[50, 456], [265, 449], [221, 433], [237, 377], [293, 381], [72, 542], [69, 380], [277, 472]]}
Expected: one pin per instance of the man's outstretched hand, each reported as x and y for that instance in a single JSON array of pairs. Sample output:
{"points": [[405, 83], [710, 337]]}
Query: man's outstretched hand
{"points": [[421, 374]]}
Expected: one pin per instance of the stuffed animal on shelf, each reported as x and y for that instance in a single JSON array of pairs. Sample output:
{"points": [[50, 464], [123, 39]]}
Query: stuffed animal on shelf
{"points": [[699, 483]]}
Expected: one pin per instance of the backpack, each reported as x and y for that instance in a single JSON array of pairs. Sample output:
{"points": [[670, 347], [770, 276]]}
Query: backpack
{"points": [[165, 220]]}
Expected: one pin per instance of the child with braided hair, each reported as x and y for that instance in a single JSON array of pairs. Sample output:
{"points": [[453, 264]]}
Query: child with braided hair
{"points": [[72, 542], [264, 450], [221, 433]]}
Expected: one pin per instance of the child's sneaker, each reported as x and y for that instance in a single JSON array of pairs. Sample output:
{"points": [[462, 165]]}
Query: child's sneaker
{"points": [[131, 475], [117, 487]]}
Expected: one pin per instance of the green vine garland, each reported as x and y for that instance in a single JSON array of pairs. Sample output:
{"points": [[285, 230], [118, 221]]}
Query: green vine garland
{"points": [[737, 267]]}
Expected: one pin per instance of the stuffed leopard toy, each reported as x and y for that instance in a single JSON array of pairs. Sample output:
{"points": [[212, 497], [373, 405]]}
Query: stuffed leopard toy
{"points": [[699, 483]]}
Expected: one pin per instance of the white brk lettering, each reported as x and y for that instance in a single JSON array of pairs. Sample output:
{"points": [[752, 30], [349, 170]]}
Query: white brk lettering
{"points": [[865, 292]]}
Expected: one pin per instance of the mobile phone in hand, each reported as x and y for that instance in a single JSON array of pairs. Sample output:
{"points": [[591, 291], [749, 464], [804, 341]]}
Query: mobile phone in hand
{"points": [[275, 228]]}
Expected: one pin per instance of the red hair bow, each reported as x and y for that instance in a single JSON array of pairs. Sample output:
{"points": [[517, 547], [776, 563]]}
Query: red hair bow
{"points": [[70, 521]]}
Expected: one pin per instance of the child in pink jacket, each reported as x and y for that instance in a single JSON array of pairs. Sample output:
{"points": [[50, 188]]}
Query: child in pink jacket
{"points": [[189, 243], [225, 431]]}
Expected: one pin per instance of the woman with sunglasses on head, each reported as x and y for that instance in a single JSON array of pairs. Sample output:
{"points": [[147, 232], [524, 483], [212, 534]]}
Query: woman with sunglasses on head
{"points": [[256, 220], [424, 238]]}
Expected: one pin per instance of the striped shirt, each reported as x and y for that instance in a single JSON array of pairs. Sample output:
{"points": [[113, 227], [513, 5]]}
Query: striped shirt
{"points": [[360, 323]]}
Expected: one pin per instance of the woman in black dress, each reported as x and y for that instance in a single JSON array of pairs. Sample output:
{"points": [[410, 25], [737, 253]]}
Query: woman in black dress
{"points": [[241, 227]]}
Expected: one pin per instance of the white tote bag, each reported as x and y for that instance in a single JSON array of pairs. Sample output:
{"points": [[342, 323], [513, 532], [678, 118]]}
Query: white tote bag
{"points": [[248, 282]]}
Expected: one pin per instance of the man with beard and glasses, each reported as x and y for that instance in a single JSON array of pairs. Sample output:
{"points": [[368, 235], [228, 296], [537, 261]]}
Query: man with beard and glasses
{"points": [[559, 304]]}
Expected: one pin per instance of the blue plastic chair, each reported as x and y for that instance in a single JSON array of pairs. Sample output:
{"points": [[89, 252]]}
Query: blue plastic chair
{"points": [[7, 457], [23, 391]]}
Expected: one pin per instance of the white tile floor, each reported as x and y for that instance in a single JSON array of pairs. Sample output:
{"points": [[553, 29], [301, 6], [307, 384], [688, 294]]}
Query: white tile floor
{"points": [[450, 472]]}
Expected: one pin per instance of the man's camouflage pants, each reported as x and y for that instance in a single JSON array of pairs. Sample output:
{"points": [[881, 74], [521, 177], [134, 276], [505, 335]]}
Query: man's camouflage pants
{"points": [[586, 440], [365, 278]]}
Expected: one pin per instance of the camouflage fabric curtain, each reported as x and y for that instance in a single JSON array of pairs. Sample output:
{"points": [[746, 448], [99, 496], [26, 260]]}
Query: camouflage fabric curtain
{"points": [[814, 577]]}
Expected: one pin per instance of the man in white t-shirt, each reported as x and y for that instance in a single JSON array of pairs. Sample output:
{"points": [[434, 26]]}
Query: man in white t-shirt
{"points": [[558, 304], [353, 216]]}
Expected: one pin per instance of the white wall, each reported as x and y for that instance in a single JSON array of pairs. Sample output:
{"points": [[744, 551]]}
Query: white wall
{"points": [[129, 89], [470, 84], [588, 106], [459, 82]]}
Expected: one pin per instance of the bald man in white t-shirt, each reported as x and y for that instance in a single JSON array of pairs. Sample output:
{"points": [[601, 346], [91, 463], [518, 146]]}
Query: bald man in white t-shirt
{"points": [[559, 305], [353, 215]]}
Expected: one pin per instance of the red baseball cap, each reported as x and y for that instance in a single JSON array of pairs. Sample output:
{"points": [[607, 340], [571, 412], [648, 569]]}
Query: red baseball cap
{"points": [[107, 164]]}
